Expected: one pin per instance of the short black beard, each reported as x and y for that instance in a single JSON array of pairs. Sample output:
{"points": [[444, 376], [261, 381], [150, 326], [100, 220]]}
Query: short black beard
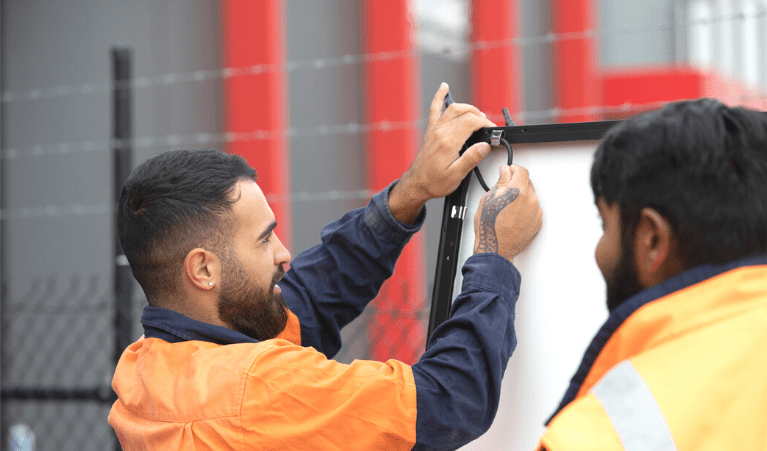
{"points": [[625, 280], [247, 308]]}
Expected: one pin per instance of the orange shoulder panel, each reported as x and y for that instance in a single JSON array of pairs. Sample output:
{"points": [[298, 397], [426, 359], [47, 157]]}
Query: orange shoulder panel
{"points": [[267, 395], [295, 398]]}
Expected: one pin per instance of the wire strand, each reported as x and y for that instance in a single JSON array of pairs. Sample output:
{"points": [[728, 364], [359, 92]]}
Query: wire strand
{"points": [[50, 211], [203, 139], [175, 141], [170, 78]]}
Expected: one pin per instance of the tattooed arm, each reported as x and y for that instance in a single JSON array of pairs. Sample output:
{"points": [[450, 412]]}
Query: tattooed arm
{"points": [[458, 378], [508, 216]]}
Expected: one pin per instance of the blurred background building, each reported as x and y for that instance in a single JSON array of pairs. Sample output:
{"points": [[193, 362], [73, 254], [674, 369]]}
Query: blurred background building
{"points": [[328, 100]]}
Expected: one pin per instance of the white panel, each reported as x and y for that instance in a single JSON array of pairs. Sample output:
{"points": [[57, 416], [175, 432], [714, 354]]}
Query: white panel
{"points": [[751, 56], [562, 299], [700, 33], [725, 20], [443, 27], [761, 42]]}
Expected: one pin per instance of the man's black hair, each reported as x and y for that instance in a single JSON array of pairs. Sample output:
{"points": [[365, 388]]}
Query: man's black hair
{"points": [[702, 165], [170, 204]]}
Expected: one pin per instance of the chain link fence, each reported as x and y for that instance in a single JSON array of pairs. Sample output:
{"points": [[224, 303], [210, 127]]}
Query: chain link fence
{"points": [[57, 363]]}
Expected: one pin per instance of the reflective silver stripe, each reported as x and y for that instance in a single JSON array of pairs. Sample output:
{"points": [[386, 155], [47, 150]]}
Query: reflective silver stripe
{"points": [[631, 407]]}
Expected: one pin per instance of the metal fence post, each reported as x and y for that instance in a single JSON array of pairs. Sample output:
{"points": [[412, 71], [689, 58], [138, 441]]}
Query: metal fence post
{"points": [[122, 111], [121, 151]]}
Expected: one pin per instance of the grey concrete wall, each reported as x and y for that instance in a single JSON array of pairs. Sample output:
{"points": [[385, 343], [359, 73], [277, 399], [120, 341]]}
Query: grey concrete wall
{"points": [[56, 183], [636, 33], [324, 94], [329, 92], [536, 60]]}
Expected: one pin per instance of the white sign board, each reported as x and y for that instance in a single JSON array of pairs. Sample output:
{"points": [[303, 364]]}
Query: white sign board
{"points": [[562, 300]]}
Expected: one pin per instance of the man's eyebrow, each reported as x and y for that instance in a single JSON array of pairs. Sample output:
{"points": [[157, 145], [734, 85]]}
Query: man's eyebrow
{"points": [[268, 230]]}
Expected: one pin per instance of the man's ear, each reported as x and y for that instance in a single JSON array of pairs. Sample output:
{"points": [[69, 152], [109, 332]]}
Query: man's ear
{"points": [[202, 269], [655, 247]]}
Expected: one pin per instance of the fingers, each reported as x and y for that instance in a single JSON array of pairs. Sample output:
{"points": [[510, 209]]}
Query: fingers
{"points": [[459, 109], [505, 176], [468, 122], [435, 110], [470, 158], [464, 125], [519, 176], [455, 110]]}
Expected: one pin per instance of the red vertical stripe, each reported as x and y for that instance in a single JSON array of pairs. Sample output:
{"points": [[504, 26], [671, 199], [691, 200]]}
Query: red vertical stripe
{"points": [[391, 90], [576, 78], [255, 111], [495, 60]]}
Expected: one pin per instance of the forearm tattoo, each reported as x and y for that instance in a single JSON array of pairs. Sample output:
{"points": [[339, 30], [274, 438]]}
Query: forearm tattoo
{"points": [[488, 242]]}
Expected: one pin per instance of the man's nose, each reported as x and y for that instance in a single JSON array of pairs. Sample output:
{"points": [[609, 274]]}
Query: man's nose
{"points": [[282, 256]]}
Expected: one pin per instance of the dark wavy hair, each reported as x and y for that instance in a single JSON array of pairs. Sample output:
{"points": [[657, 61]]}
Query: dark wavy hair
{"points": [[700, 164], [170, 204]]}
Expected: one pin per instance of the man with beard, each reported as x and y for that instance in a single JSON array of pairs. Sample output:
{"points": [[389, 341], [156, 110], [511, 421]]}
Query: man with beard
{"points": [[681, 362], [230, 359]]}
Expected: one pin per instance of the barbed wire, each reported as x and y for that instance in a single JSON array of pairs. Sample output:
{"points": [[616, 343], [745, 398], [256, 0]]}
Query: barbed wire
{"points": [[204, 138], [55, 309], [177, 140], [50, 211], [330, 62]]}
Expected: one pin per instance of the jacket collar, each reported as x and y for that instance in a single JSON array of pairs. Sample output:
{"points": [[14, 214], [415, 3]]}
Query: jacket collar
{"points": [[175, 327], [619, 315]]}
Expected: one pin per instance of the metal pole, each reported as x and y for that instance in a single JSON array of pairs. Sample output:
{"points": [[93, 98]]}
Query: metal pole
{"points": [[3, 236], [121, 150], [122, 111]]}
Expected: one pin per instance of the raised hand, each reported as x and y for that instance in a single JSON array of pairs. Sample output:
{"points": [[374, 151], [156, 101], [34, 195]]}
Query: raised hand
{"points": [[508, 217], [439, 167]]}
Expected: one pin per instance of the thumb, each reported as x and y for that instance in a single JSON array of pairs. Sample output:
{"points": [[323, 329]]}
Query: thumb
{"points": [[505, 176], [471, 157]]}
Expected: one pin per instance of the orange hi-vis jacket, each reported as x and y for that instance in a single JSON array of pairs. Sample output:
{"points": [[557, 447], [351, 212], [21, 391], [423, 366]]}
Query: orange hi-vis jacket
{"points": [[189, 385], [680, 366], [269, 395]]}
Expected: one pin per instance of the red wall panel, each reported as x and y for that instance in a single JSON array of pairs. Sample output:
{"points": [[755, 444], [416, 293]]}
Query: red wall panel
{"points": [[628, 92], [391, 74], [253, 37], [577, 84], [495, 64]]}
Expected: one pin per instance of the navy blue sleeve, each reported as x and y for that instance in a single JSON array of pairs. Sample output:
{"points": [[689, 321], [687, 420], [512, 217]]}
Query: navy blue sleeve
{"points": [[330, 284], [458, 379]]}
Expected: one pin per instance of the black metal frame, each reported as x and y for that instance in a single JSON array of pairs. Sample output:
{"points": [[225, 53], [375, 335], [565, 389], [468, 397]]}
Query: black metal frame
{"points": [[454, 209]]}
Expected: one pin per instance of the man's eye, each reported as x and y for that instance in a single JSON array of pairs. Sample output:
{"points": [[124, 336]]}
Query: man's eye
{"points": [[266, 240]]}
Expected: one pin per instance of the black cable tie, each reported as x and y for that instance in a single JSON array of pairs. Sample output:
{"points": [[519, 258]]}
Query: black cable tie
{"points": [[509, 161]]}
